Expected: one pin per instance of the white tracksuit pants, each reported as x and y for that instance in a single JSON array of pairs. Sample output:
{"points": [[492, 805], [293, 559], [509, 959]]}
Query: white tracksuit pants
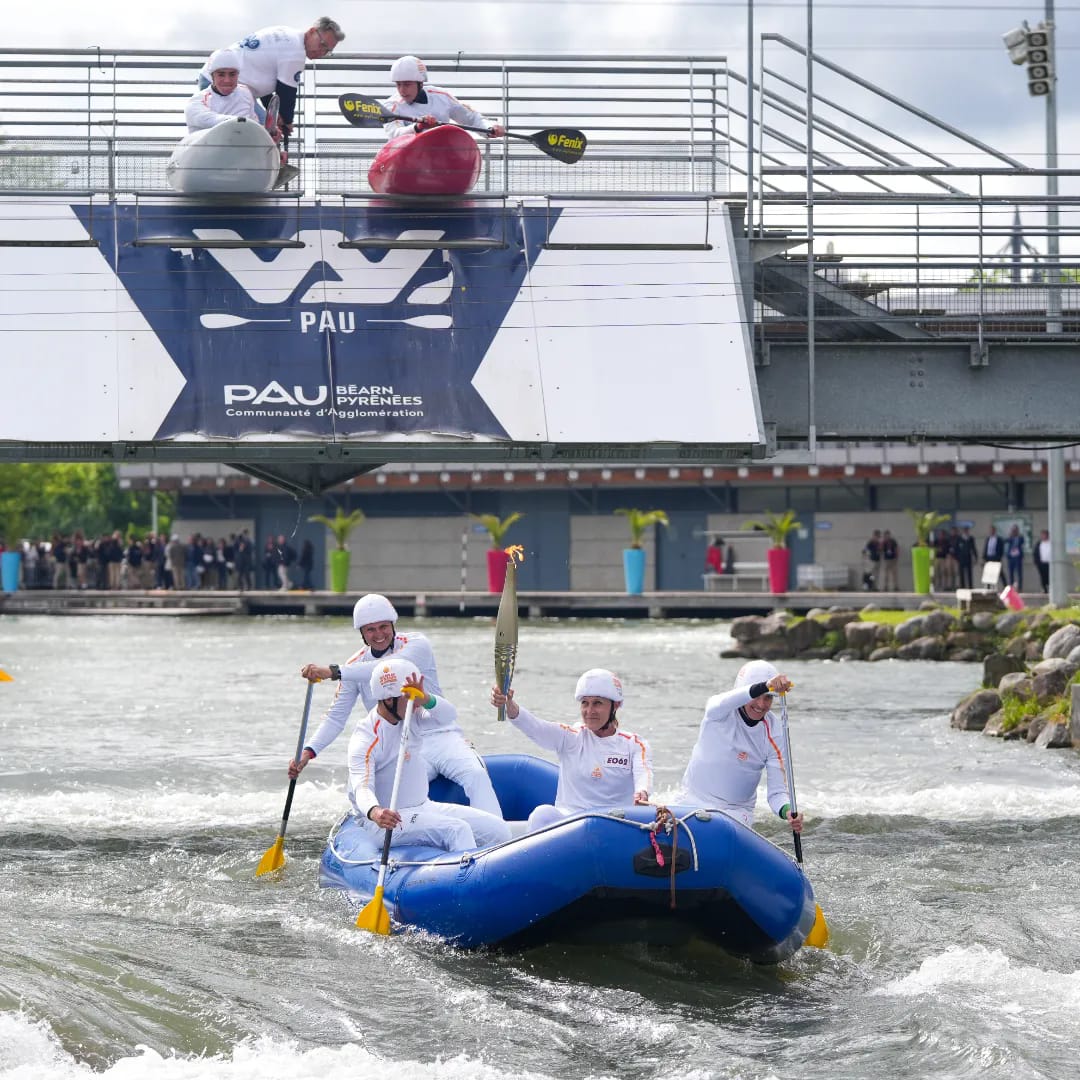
{"points": [[448, 753]]}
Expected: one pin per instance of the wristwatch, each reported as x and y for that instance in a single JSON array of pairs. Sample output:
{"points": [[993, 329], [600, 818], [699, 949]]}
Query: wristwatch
{"points": [[335, 672]]}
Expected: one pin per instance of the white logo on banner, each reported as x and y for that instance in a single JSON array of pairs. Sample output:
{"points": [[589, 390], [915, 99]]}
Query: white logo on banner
{"points": [[362, 281]]}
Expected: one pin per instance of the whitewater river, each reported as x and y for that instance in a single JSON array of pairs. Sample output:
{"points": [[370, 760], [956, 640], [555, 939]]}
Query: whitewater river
{"points": [[143, 777]]}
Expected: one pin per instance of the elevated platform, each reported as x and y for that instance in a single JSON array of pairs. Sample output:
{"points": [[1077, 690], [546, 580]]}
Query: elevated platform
{"points": [[531, 605]]}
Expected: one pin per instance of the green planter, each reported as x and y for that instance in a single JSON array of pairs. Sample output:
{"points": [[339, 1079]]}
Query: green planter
{"points": [[920, 569], [339, 571]]}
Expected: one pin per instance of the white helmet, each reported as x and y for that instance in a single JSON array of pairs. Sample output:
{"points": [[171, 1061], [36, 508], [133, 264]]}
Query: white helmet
{"points": [[224, 58], [599, 682], [408, 69], [755, 671], [388, 678], [372, 608]]}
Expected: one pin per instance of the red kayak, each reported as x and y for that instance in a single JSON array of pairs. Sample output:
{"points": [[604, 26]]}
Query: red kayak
{"points": [[442, 160]]}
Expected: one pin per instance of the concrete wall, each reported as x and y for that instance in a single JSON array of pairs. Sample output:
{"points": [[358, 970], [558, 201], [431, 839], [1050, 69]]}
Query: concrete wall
{"points": [[596, 546], [402, 553]]}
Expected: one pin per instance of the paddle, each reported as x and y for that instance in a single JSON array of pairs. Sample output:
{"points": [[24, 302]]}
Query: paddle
{"points": [[818, 937], [274, 859], [5, 677], [506, 625], [563, 144], [373, 916]]}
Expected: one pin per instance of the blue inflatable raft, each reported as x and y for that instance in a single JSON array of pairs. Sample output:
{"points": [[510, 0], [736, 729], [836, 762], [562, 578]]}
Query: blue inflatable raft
{"points": [[595, 877]]}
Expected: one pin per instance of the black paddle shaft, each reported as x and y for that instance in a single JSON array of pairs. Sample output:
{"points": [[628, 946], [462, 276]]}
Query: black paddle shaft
{"points": [[563, 144], [299, 751]]}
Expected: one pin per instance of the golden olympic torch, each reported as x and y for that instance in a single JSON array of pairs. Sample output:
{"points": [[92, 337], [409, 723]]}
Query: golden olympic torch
{"points": [[506, 624]]}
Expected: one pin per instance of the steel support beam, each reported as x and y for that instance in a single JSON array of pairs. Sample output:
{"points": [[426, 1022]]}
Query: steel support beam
{"points": [[900, 390]]}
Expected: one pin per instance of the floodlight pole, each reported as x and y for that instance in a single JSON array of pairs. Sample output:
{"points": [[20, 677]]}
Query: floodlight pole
{"points": [[1055, 472]]}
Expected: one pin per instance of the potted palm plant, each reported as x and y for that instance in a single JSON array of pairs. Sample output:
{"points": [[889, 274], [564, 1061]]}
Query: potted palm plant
{"points": [[340, 525], [496, 558], [634, 555], [777, 527], [925, 522]]}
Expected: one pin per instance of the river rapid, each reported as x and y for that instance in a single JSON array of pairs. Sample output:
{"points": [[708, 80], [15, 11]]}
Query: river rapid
{"points": [[143, 777]]}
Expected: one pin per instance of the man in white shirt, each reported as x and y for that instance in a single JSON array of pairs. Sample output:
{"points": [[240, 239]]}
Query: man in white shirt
{"points": [[599, 765], [373, 756], [446, 749], [272, 61], [738, 739], [424, 105]]}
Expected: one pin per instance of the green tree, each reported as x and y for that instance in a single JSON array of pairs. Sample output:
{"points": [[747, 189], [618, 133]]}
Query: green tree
{"points": [[38, 499], [640, 520]]}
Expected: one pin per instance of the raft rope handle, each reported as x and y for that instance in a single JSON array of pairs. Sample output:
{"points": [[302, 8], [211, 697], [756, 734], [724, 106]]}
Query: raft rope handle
{"points": [[667, 821], [646, 825]]}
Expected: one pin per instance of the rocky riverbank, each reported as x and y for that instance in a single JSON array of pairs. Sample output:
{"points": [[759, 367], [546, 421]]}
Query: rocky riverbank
{"points": [[1031, 659]]}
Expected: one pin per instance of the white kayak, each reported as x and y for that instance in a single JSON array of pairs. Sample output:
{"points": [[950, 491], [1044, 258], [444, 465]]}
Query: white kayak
{"points": [[237, 157]]}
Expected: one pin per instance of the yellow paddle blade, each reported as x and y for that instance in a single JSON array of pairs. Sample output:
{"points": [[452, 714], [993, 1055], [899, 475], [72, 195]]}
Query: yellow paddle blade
{"points": [[818, 937], [4, 676], [274, 859], [373, 916]]}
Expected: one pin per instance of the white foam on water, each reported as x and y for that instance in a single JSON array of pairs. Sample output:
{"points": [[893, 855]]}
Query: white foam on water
{"points": [[30, 1051], [153, 810], [950, 802], [999, 984]]}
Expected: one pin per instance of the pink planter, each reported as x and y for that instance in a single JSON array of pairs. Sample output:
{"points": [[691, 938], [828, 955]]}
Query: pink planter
{"points": [[496, 568], [779, 560]]}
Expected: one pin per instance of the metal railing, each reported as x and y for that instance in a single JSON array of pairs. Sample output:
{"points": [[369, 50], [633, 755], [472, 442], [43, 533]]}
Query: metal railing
{"points": [[895, 214], [105, 122]]}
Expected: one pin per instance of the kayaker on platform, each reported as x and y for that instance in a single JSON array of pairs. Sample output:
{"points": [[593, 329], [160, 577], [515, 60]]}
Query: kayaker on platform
{"points": [[740, 737], [373, 756], [446, 749], [599, 765], [423, 106], [224, 98]]}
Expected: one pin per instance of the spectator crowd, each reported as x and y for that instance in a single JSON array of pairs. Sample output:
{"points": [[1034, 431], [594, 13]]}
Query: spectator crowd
{"points": [[112, 561]]}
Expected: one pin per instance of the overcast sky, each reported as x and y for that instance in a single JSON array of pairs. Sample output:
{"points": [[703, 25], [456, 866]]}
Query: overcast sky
{"points": [[946, 58]]}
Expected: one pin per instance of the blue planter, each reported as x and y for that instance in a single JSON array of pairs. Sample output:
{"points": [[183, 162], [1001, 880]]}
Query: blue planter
{"points": [[9, 570], [633, 561]]}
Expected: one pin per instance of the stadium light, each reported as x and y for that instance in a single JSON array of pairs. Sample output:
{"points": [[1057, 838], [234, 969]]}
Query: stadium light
{"points": [[1033, 46]]}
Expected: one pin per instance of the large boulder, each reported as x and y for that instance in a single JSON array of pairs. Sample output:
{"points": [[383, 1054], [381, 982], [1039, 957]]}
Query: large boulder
{"points": [[1074, 657], [983, 620], [1074, 713], [746, 627], [883, 652], [1035, 728], [923, 648], [775, 623], [837, 620], [1062, 642], [910, 629], [965, 639], [862, 636], [1049, 686], [1054, 737], [997, 665], [1016, 647], [1016, 684], [804, 635], [1007, 623], [938, 623], [973, 712]]}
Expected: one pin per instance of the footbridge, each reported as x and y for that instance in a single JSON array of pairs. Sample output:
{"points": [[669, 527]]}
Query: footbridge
{"points": [[736, 271]]}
